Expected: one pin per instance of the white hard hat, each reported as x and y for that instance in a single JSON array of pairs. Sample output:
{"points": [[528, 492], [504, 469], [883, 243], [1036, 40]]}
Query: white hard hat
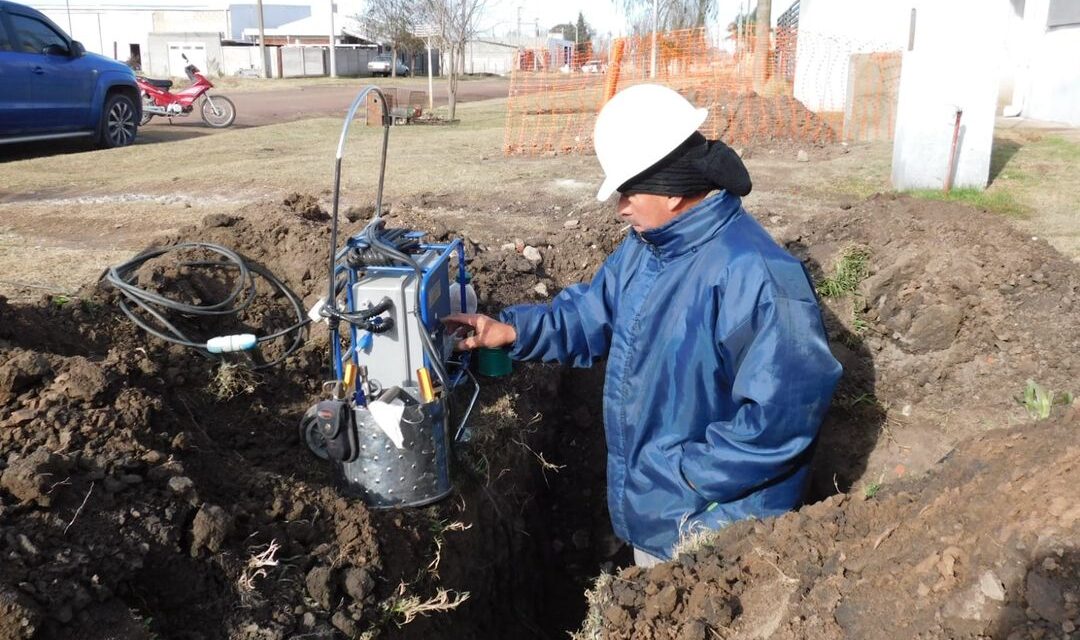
{"points": [[637, 128]]}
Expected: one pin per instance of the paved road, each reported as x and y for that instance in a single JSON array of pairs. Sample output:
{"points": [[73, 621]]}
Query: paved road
{"points": [[282, 105]]}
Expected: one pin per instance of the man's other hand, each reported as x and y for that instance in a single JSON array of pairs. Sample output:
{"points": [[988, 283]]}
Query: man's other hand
{"points": [[487, 331]]}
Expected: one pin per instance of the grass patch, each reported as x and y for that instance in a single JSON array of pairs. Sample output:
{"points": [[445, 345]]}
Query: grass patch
{"points": [[1040, 401], [851, 269], [998, 201], [859, 186], [1058, 148]]}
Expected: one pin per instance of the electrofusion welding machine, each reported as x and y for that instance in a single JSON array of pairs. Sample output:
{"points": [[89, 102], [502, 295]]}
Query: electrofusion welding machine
{"points": [[398, 382]]}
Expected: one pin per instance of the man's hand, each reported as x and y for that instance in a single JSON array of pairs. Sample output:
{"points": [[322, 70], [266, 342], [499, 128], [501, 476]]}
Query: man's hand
{"points": [[488, 332]]}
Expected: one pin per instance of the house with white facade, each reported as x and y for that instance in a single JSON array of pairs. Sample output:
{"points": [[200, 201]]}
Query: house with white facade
{"points": [[212, 34]]}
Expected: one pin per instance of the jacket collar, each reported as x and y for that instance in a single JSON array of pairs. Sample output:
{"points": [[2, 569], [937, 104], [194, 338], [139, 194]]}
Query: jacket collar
{"points": [[693, 227]]}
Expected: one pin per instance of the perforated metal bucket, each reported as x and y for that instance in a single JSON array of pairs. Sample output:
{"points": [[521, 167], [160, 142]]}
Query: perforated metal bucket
{"points": [[416, 474]]}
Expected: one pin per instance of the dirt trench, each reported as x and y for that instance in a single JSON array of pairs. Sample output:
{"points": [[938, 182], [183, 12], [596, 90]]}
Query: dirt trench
{"points": [[149, 492], [145, 491]]}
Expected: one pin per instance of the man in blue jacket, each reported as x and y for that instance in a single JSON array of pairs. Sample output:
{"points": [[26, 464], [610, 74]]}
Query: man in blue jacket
{"points": [[718, 368]]}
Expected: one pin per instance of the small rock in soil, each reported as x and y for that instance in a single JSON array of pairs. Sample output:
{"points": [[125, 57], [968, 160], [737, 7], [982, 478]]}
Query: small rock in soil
{"points": [[212, 525], [343, 623], [358, 583], [693, 630], [532, 254], [83, 380], [20, 372], [991, 586], [934, 328], [320, 586], [569, 224], [1045, 597], [803, 156], [541, 290], [33, 478], [181, 484]]}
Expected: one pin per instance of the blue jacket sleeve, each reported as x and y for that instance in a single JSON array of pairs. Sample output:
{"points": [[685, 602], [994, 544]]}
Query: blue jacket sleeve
{"points": [[783, 376], [575, 328]]}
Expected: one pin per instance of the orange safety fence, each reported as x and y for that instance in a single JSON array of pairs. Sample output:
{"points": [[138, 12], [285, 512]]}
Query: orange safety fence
{"points": [[809, 89]]}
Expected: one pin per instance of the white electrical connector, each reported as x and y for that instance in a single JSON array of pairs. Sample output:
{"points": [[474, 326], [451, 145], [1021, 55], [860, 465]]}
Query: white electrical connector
{"points": [[226, 344], [315, 312]]}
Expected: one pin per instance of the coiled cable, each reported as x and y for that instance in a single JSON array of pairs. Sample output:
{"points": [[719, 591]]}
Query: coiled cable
{"points": [[122, 277]]}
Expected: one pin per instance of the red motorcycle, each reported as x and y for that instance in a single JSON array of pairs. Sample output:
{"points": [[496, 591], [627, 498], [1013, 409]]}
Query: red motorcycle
{"points": [[217, 111]]}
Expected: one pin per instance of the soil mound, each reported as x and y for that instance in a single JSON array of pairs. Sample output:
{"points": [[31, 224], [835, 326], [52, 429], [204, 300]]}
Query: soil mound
{"points": [[148, 490], [956, 312], [985, 546], [751, 118], [145, 489]]}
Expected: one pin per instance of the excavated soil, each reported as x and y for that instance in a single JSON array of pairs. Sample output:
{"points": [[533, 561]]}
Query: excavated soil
{"points": [[146, 491], [751, 118]]}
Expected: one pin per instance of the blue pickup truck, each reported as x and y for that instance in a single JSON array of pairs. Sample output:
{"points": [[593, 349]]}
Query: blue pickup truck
{"points": [[51, 88]]}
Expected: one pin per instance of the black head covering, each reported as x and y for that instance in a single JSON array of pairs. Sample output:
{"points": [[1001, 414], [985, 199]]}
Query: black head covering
{"points": [[696, 166]]}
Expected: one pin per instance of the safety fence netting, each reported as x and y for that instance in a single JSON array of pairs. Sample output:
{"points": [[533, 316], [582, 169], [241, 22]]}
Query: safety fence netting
{"points": [[804, 88]]}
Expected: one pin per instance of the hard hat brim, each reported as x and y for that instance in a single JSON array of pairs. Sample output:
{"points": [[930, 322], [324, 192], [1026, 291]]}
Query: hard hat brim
{"points": [[611, 183]]}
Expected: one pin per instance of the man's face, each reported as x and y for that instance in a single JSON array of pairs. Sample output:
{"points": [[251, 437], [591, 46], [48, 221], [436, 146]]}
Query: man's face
{"points": [[646, 211]]}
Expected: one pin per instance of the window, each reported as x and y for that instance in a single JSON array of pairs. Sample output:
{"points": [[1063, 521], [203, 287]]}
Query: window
{"points": [[33, 35], [4, 46]]}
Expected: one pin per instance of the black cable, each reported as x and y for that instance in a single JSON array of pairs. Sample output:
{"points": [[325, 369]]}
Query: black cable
{"points": [[122, 277]]}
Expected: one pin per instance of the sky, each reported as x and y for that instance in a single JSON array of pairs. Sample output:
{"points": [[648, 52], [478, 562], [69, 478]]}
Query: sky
{"points": [[603, 15]]}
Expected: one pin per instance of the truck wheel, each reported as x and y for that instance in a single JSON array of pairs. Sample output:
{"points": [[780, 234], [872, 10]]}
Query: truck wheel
{"points": [[117, 127]]}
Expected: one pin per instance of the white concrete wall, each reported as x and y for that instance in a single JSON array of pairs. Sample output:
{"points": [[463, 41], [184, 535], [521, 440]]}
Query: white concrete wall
{"points": [[484, 57], [300, 62], [237, 59], [159, 62], [103, 31], [829, 32], [955, 62], [1042, 66]]}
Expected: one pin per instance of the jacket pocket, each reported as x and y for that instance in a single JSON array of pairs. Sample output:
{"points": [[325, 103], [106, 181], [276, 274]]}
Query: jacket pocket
{"points": [[674, 458]]}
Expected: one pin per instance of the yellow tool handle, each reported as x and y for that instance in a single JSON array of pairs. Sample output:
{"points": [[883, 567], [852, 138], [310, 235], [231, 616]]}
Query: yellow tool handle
{"points": [[350, 376], [427, 392]]}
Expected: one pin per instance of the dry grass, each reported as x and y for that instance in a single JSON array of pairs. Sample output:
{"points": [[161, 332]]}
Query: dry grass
{"points": [[247, 164], [405, 608], [255, 568], [231, 380], [67, 217], [438, 534], [593, 626]]}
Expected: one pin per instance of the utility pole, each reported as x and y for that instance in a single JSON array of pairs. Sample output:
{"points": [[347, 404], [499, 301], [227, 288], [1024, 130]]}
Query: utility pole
{"points": [[262, 43], [430, 81], [333, 39], [655, 28], [519, 21]]}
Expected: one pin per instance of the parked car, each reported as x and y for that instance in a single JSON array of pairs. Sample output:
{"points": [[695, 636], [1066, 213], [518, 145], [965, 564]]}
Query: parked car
{"points": [[50, 87], [594, 66], [380, 66]]}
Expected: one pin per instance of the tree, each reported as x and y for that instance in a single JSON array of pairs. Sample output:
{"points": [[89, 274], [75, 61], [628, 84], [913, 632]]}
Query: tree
{"points": [[565, 28], [671, 14], [582, 31], [456, 23], [393, 22], [761, 44]]}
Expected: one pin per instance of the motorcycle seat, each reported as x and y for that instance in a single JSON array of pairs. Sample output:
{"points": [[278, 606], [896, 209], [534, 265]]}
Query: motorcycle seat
{"points": [[161, 84]]}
